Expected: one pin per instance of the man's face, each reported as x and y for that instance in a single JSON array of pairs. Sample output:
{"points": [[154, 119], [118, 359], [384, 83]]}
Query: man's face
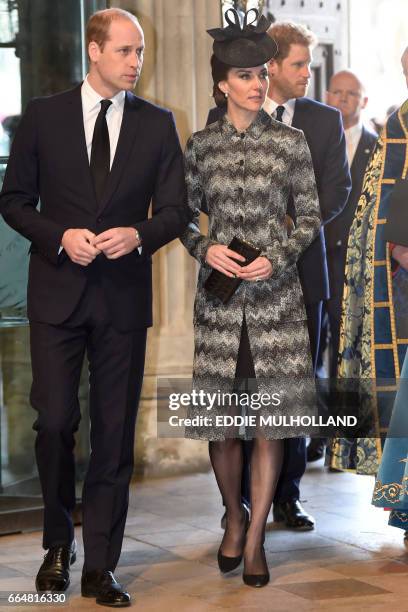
{"points": [[118, 65], [290, 77], [346, 94]]}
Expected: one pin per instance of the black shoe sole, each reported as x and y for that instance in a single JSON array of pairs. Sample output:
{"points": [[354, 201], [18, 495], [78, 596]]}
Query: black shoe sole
{"points": [[293, 527], [116, 605], [94, 595], [279, 518], [304, 528]]}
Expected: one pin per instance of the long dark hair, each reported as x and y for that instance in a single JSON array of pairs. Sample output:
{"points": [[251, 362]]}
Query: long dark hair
{"points": [[219, 72]]}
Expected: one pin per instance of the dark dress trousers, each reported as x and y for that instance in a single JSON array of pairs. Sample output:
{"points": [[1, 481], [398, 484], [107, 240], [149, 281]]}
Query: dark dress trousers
{"points": [[336, 234], [103, 309], [323, 130]]}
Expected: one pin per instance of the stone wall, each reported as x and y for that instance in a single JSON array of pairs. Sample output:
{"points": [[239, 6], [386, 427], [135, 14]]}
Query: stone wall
{"points": [[176, 74]]}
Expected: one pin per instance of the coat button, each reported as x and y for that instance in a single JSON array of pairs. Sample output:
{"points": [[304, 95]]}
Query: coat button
{"points": [[99, 220], [240, 190], [242, 135], [241, 162]]}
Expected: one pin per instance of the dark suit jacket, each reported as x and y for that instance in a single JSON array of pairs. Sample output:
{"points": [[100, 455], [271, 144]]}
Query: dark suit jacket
{"points": [[323, 129], [49, 161], [338, 230]]}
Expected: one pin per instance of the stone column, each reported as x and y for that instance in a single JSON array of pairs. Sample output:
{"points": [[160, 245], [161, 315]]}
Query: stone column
{"points": [[177, 75]]}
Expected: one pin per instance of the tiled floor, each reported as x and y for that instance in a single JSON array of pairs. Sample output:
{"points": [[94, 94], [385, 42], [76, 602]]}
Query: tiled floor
{"points": [[352, 562]]}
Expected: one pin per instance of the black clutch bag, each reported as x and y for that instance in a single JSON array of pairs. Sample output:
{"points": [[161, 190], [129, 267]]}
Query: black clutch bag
{"points": [[223, 287], [396, 228]]}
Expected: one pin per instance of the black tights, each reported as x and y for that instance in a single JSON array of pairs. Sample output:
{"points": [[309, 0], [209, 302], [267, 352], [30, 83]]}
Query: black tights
{"points": [[266, 462], [265, 465]]}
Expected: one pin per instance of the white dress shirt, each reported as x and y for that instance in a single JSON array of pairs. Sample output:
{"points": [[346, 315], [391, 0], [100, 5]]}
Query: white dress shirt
{"points": [[353, 136], [270, 107], [91, 105], [90, 109]]}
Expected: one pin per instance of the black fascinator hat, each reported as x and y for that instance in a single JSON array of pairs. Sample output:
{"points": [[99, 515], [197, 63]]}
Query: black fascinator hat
{"points": [[243, 47]]}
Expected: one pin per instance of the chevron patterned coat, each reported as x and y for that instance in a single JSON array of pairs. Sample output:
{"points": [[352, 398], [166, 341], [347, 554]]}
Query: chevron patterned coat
{"points": [[246, 179]]}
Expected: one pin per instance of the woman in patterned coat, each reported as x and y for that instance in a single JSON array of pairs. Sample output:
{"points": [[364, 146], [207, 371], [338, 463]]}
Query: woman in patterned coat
{"points": [[245, 166]]}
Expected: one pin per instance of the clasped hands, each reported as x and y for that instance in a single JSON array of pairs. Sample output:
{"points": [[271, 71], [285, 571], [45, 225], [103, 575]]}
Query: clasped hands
{"points": [[221, 258], [82, 245]]}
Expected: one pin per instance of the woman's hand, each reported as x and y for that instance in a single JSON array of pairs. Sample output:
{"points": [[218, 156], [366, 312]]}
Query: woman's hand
{"points": [[260, 269], [221, 258]]}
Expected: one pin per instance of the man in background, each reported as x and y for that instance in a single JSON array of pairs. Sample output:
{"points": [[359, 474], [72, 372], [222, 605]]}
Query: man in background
{"points": [[347, 93], [289, 74]]}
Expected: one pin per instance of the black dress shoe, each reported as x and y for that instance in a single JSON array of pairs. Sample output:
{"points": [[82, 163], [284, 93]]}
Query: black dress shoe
{"points": [[257, 580], [228, 564], [292, 514], [53, 574], [316, 449], [102, 585]]}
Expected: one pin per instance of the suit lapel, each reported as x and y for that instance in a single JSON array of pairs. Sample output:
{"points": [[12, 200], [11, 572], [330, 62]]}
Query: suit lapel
{"points": [[300, 117], [74, 124], [361, 156], [127, 136]]}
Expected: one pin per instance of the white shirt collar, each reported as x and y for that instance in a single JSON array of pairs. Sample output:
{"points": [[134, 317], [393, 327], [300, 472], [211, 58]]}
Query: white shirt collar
{"points": [[270, 107], [354, 130], [91, 99]]}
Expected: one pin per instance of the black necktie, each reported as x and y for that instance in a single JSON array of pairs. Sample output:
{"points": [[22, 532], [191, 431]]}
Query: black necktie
{"points": [[279, 113], [100, 152]]}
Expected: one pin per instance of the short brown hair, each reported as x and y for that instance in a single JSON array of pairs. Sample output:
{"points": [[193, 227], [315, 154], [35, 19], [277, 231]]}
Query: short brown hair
{"points": [[97, 28], [219, 72], [286, 33]]}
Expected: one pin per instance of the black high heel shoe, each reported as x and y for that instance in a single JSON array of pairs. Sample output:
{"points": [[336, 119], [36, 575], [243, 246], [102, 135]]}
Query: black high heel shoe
{"points": [[257, 580], [228, 564]]}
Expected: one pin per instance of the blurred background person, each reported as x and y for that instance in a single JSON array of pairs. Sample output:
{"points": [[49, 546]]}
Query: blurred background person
{"points": [[346, 92]]}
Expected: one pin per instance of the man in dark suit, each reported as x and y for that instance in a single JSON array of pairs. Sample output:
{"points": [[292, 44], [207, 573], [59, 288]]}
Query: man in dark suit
{"points": [[289, 76], [346, 92], [95, 156]]}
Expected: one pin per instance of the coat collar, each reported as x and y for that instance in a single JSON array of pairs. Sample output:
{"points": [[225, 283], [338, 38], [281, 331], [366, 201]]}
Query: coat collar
{"points": [[261, 121], [363, 151]]}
